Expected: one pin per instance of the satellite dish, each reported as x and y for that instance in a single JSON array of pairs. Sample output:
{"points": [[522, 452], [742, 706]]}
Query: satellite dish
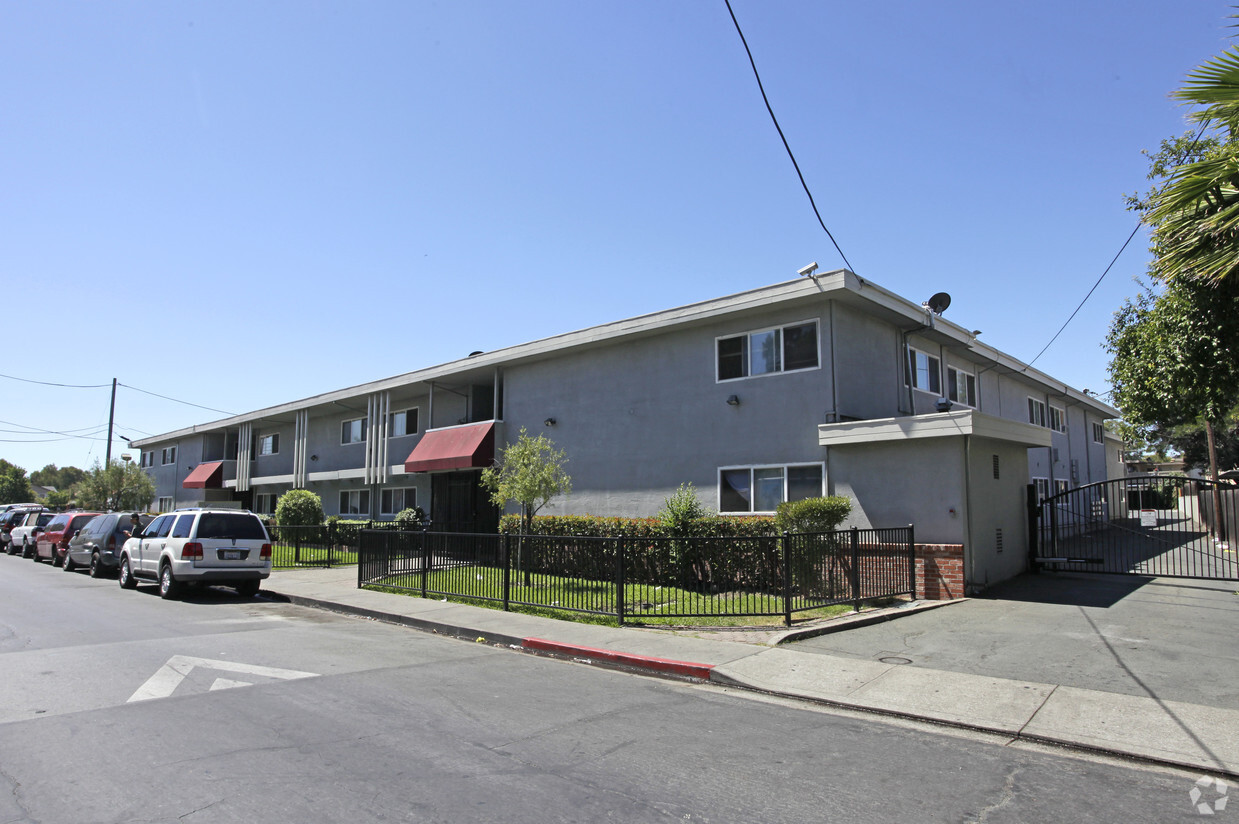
{"points": [[938, 303]]}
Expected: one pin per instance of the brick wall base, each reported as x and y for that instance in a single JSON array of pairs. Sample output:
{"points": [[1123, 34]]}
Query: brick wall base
{"points": [[939, 571]]}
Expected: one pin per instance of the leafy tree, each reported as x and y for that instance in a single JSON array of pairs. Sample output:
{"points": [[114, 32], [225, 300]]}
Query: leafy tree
{"points": [[299, 507], [58, 499], [531, 474], [119, 485], [410, 518], [683, 513], [61, 479], [14, 485]]}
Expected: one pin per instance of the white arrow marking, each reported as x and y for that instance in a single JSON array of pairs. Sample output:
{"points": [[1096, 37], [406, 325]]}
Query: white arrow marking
{"points": [[227, 684], [164, 682]]}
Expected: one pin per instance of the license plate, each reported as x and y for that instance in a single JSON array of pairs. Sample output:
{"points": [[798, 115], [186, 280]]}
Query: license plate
{"points": [[231, 554]]}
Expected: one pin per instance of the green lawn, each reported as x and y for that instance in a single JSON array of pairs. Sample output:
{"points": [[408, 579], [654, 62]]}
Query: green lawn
{"points": [[282, 556], [643, 603]]}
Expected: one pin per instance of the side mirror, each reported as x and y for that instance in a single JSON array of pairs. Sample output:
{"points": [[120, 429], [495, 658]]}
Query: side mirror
{"points": [[36, 530], [77, 532]]}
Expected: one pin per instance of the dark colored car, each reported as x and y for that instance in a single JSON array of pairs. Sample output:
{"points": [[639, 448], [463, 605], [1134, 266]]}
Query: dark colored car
{"points": [[97, 546], [55, 536]]}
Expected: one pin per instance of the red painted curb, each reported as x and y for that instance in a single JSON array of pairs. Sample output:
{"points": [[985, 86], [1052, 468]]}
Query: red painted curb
{"points": [[667, 665]]}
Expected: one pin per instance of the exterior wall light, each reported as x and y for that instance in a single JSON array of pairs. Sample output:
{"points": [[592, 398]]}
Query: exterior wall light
{"points": [[733, 400], [550, 422], [314, 457]]}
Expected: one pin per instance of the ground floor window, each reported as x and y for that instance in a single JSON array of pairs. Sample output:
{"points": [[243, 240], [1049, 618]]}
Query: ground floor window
{"points": [[394, 501], [355, 502], [164, 504], [763, 488], [264, 503], [1061, 487], [1043, 488]]}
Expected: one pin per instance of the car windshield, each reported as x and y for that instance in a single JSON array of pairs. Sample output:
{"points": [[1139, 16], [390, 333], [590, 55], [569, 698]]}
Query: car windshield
{"points": [[229, 525]]}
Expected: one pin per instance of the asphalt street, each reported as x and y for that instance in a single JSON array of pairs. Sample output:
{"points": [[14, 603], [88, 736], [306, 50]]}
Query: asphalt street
{"points": [[117, 707]]}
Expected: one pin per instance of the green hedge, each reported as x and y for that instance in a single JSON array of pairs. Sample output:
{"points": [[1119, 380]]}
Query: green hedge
{"points": [[594, 526]]}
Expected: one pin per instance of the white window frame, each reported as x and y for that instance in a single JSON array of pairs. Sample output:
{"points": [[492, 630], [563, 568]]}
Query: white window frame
{"points": [[1037, 415], [363, 495], [1061, 415], [1043, 488], [781, 370], [169, 455], [391, 422], [753, 468], [933, 371], [274, 498], [409, 498], [1061, 486], [1099, 432], [953, 374], [364, 431], [274, 439], [164, 504]]}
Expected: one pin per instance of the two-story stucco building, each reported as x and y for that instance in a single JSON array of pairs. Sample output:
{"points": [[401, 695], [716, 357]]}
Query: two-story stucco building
{"points": [[820, 385]]}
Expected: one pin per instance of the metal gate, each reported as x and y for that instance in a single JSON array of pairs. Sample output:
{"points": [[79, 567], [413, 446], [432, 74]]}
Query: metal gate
{"points": [[1142, 525]]}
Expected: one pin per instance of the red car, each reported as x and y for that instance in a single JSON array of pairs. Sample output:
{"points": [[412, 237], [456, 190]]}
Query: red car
{"points": [[54, 538]]}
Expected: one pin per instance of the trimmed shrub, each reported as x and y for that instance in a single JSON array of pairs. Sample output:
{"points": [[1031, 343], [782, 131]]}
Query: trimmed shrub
{"points": [[410, 518], [812, 514], [683, 513], [299, 507]]}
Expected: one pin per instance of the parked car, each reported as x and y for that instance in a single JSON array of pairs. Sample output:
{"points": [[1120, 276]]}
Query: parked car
{"points": [[204, 546], [55, 536], [97, 546], [22, 536], [10, 518]]}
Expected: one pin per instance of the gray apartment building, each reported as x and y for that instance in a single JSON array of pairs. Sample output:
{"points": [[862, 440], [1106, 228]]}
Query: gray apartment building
{"points": [[819, 385]]}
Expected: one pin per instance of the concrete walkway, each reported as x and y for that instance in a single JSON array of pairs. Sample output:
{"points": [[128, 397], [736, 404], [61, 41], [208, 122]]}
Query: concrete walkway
{"points": [[1187, 735]]}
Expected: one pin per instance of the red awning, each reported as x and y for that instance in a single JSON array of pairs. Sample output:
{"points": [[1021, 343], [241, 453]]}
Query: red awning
{"points": [[457, 447], [206, 476]]}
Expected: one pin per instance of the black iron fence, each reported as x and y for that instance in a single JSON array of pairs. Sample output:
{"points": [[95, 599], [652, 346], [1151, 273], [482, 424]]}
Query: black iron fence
{"points": [[639, 579], [324, 545]]}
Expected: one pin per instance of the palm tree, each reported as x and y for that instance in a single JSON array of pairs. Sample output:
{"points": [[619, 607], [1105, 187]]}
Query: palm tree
{"points": [[1195, 215]]}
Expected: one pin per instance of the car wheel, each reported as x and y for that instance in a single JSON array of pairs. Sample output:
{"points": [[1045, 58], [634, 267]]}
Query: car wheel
{"points": [[248, 589], [125, 578], [96, 569], [68, 565], [11, 548], [168, 587]]}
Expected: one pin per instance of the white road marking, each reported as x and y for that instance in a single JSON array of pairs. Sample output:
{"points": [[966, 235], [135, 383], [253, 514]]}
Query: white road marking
{"points": [[164, 682]]}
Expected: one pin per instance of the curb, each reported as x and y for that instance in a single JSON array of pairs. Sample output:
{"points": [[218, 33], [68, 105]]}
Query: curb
{"points": [[861, 620], [591, 655]]}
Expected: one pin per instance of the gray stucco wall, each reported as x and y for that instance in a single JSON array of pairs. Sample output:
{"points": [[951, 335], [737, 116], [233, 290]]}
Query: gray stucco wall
{"points": [[639, 418], [996, 504]]}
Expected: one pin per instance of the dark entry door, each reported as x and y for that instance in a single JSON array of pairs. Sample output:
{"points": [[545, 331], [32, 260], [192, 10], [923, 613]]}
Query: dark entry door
{"points": [[459, 504], [1141, 525]]}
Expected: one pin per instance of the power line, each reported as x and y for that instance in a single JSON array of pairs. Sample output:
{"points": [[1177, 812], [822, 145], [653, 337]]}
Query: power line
{"points": [[176, 400], [65, 385], [1186, 153], [69, 435], [782, 137]]}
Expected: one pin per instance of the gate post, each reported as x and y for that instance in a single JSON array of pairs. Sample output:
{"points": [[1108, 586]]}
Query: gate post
{"points": [[856, 569], [505, 559], [1034, 524], [621, 546], [786, 552]]}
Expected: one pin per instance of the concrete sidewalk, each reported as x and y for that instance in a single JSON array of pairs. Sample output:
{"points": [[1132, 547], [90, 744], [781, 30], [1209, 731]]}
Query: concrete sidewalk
{"points": [[1185, 735]]}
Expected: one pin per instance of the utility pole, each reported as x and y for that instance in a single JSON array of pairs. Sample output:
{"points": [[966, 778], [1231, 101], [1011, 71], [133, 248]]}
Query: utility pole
{"points": [[111, 417]]}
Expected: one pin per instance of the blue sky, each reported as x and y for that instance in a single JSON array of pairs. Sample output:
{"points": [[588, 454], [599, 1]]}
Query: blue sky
{"points": [[271, 200]]}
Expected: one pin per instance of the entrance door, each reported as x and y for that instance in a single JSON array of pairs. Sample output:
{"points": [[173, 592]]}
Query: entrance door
{"points": [[459, 504], [1143, 525]]}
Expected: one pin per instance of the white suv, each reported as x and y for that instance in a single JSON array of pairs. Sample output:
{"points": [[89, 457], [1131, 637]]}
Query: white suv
{"points": [[208, 546]]}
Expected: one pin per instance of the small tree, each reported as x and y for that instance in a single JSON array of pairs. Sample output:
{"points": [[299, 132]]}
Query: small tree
{"points": [[410, 518], [299, 507], [682, 516], [119, 485], [531, 474]]}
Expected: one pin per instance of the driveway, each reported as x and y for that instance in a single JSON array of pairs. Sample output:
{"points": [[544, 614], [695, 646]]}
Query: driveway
{"points": [[1165, 638]]}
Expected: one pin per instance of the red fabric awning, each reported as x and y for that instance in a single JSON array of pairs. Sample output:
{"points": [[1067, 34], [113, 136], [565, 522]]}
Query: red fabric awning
{"points": [[456, 447], [206, 476]]}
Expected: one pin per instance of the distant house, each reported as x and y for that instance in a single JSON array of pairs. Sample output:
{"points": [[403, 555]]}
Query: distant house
{"points": [[40, 492], [826, 385]]}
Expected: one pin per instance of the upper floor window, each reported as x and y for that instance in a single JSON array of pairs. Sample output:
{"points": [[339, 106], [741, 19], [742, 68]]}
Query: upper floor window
{"points": [[353, 431], [169, 455], [924, 372], [1099, 433], [1036, 412], [403, 422], [269, 444], [1058, 419], [961, 387], [783, 349]]}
